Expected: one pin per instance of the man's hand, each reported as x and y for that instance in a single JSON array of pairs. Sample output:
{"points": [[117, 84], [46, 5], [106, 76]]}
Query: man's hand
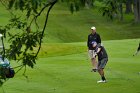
{"points": [[95, 53]]}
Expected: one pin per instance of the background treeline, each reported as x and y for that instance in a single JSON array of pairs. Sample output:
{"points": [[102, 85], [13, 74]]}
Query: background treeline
{"points": [[110, 8]]}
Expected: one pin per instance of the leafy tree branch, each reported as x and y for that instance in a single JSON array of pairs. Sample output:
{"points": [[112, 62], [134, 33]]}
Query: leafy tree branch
{"points": [[25, 43]]}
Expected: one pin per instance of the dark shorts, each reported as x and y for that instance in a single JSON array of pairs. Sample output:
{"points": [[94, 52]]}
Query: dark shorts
{"points": [[102, 63]]}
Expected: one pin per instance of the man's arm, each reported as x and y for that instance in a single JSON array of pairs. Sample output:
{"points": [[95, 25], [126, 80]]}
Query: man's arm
{"points": [[98, 50], [88, 41]]}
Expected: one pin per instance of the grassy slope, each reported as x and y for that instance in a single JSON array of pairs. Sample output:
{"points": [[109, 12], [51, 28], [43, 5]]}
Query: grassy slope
{"points": [[71, 73], [66, 27]]}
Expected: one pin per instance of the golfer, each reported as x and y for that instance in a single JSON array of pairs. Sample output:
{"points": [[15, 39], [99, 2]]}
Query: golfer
{"points": [[102, 60], [93, 37]]}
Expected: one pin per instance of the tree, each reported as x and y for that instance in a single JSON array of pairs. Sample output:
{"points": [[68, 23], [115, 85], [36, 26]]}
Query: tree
{"points": [[89, 3], [120, 8], [26, 40], [128, 6], [113, 8], [75, 5], [136, 4], [110, 8]]}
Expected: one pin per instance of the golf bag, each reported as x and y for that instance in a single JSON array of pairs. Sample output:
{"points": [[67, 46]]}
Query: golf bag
{"points": [[6, 71]]}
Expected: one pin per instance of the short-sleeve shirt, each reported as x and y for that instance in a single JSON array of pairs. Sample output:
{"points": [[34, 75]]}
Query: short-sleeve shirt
{"points": [[102, 54]]}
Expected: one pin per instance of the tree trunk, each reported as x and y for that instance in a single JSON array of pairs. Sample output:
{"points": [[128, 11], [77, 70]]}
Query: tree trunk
{"points": [[121, 11], [128, 7], [89, 3], [136, 10], [139, 10]]}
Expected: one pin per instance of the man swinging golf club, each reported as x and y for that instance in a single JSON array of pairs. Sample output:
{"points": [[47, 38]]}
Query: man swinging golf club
{"points": [[102, 60]]}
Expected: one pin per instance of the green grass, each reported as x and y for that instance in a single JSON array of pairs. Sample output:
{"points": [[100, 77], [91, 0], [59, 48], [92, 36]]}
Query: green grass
{"points": [[57, 49], [70, 73], [63, 65]]}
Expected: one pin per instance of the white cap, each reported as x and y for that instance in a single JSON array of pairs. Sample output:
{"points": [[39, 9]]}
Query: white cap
{"points": [[93, 28], [1, 35]]}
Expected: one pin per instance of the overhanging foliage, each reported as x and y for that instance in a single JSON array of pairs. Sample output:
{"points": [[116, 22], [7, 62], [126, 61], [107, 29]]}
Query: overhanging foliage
{"points": [[25, 44]]}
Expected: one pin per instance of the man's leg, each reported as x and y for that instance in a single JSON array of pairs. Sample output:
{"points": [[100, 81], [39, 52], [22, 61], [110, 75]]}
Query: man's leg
{"points": [[101, 66], [93, 60], [135, 53], [138, 50], [94, 64], [101, 72]]}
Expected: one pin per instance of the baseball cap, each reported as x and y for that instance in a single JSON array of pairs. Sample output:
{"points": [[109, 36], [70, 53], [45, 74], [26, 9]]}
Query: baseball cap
{"points": [[93, 28], [93, 42]]}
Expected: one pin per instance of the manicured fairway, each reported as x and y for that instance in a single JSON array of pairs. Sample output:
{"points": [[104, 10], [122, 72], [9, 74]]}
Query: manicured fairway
{"points": [[70, 73]]}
